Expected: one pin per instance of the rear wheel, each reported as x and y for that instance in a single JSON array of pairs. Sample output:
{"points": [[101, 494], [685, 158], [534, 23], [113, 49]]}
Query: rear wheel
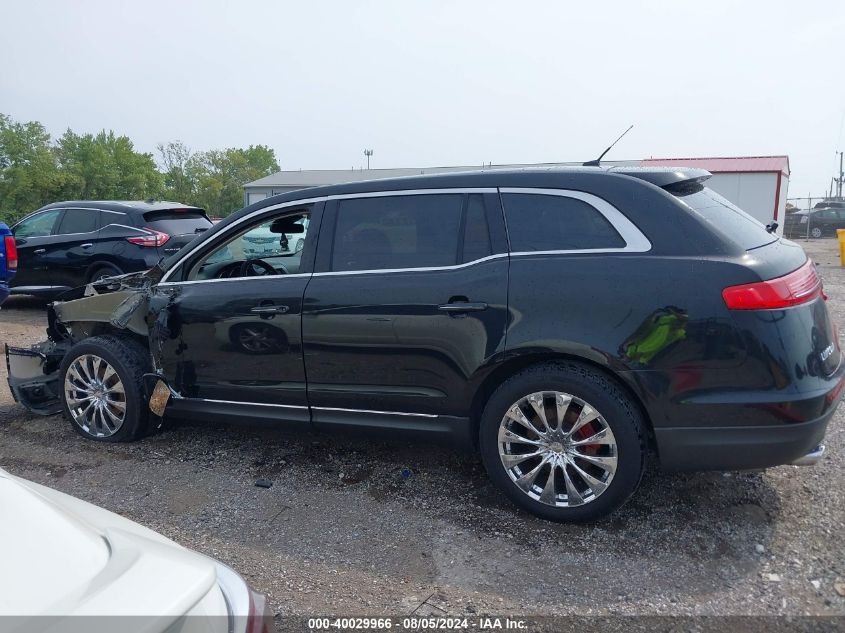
{"points": [[816, 231], [102, 388], [563, 441], [102, 271]]}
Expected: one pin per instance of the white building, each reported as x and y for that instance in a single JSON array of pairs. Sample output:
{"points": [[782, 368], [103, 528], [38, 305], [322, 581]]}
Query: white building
{"points": [[756, 184]]}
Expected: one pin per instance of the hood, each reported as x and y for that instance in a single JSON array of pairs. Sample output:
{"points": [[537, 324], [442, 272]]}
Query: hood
{"points": [[62, 556]]}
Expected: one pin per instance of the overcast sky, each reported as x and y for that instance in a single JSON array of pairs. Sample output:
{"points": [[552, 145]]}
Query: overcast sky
{"points": [[439, 83]]}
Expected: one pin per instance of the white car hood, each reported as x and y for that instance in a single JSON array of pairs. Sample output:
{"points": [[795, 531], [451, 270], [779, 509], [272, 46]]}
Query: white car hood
{"points": [[64, 557]]}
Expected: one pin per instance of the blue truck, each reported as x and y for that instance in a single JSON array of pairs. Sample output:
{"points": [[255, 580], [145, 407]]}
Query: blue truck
{"points": [[8, 260]]}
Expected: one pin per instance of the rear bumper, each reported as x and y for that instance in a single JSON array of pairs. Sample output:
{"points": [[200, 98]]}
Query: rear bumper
{"points": [[740, 448]]}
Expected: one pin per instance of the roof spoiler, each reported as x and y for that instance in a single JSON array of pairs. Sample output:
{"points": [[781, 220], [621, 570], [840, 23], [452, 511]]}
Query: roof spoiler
{"points": [[675, 180]]}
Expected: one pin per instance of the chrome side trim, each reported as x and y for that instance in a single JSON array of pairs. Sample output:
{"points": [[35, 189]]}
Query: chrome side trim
{"points": [[412, 192], [124, 226], [252, 404], [635, 241], [258, 212], [167, 284], [409, 270], [415, 415], [24, 289]]}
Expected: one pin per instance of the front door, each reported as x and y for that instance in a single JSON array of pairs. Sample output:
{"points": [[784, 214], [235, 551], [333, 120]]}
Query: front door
{"points": [[33, 236], [407, 307], [228, 326]]}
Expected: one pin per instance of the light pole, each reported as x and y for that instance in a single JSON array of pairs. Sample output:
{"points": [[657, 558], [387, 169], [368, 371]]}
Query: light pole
{"points": [[368, 153]]}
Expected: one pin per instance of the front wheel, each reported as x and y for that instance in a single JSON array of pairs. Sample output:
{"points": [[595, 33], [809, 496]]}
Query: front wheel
{"points": [[563, 441], [816, 232], [102, 388]]}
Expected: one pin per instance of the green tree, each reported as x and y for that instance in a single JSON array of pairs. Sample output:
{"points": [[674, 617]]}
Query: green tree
{"points": [[29, 177], [179, 182], [219, 175], [35, 171], [106, 167]]}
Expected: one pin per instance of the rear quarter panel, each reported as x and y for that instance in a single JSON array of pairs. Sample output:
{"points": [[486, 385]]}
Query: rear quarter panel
{"points": [[658, 323]]}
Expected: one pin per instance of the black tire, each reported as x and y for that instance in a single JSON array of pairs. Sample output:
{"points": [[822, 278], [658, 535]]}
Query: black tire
{"points": [[101, 271], [130, 360], [602, 393]]}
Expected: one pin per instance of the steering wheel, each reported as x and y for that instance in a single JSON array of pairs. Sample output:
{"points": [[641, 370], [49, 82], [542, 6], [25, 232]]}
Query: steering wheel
{"points": [[251, 268]]}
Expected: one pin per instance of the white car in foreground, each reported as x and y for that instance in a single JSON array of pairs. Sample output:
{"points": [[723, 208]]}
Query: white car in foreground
{"points": [[65, 564]]}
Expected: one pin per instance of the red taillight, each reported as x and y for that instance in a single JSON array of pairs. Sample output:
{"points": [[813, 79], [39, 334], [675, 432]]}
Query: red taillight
{"points": [[153, 238], [259, 619], [11, 252], [799, 286]]}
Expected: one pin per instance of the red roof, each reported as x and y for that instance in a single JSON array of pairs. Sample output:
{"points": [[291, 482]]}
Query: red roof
{"points": [[720, 165]]}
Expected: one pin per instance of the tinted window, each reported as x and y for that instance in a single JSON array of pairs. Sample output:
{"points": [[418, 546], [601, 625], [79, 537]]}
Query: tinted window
{"points": [[79, 221], [556, 223], [113, 217], [177, 221], [728, 218], [397, 232], [38, 225], [476, 231]]}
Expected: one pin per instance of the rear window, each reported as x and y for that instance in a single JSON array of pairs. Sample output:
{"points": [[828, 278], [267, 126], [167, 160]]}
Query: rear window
{"points": [[727, 218], [177, 221]]}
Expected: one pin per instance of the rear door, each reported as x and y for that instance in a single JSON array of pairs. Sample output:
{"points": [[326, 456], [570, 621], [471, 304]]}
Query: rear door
{"points": [[407, 306], [69, 255]]}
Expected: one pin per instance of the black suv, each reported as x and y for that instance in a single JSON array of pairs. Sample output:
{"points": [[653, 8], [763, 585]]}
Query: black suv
{"points": [[564, 323], [68, 244]]}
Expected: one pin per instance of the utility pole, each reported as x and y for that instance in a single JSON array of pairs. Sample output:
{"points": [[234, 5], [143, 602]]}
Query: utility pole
{"points": [[368, 153]]}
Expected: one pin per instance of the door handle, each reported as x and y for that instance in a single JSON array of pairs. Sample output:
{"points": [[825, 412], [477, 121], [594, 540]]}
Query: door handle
{"points": [[269, 309], [88, 245], [38, 251], [462, 306]]}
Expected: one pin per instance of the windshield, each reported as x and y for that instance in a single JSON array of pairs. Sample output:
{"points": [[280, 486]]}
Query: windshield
{"points": [[727, 218]]}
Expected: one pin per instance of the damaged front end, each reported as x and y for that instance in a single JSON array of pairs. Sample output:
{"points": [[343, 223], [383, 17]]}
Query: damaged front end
{"points": [[111, 305], [34, 375]]}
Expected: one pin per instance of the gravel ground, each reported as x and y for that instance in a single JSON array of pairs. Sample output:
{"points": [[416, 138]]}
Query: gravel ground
{"points": [[355, 527]]}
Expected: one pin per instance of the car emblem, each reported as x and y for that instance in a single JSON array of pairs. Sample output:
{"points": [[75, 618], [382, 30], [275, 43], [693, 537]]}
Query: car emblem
{"points": [[826, 352]]}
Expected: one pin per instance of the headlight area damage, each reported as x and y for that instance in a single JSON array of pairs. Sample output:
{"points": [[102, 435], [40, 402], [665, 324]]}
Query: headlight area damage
{"points": [[114, 304]]}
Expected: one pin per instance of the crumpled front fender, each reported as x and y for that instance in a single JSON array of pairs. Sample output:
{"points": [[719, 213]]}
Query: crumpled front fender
{"points": [[34, 375]]}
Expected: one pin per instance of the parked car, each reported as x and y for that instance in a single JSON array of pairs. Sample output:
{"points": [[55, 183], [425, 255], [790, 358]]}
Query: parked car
{"points": [[563, 322], [8, 260], [817, 223], [69, 563], [68, 244]]}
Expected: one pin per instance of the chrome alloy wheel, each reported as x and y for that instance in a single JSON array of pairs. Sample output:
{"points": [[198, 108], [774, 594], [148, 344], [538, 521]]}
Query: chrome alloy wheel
{"points": [[95, 396], [557, 449]]}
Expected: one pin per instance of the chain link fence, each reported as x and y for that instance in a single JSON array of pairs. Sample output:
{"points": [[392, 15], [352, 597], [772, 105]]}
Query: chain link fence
{"points": [[813, 217]]}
